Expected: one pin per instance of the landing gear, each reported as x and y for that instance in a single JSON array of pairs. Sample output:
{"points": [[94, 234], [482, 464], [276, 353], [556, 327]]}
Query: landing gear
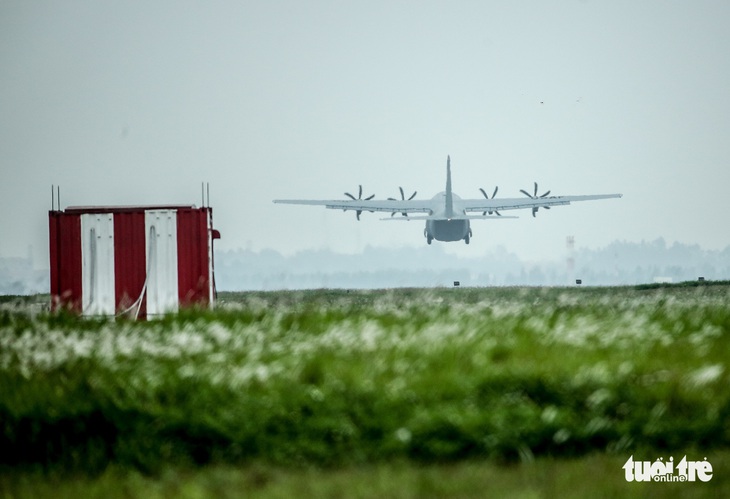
{"points": [[428, 236], [429, 239], [467, 237]]}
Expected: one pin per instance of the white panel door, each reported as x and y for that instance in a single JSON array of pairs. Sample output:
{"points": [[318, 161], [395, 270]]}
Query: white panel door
{"points": [[97, 264], [162, 289], [211, 276]]}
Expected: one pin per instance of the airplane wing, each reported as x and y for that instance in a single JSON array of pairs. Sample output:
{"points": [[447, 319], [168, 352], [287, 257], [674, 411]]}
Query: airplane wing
{"points": [[441, 217], [413, 206], [523, 203]]}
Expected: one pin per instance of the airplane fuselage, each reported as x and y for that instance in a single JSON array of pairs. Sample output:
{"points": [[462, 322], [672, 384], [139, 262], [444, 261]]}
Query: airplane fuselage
{"points": [[446, 228]]}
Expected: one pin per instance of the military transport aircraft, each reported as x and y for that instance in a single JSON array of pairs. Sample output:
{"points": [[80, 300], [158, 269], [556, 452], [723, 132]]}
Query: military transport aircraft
{"points": [[446, 214]]}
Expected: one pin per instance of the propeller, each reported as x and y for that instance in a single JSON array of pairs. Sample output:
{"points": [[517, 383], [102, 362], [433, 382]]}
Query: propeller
{"points": [[359, 198], [535, 196], [493, 194], [403, 198]]}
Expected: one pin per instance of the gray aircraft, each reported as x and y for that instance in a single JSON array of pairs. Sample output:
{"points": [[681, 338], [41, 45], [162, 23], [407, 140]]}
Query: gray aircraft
{"points": [[446, 214]]}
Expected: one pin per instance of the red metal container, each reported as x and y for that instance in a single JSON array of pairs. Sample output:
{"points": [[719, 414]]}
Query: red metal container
{"points": [[136, 260]]}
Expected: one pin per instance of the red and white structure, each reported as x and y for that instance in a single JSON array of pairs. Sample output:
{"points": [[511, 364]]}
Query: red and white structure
{"points": [[138, 260]]}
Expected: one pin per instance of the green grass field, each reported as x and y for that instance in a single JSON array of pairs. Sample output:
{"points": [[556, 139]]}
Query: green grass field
{"points": [[530, 392]]}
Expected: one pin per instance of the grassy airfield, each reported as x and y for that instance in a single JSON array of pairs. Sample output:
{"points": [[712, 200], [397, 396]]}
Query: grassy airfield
{"points": [[529, 392]]}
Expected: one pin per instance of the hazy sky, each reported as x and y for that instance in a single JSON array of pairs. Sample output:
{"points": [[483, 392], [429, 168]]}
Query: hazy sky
{"points": [[138, 102]]}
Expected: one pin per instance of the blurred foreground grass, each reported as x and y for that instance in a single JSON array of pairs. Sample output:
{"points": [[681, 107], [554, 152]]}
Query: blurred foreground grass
{"points": [[595, 475], [355, 381]]}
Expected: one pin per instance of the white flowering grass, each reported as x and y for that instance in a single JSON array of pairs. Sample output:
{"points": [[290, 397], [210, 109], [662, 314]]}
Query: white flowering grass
{"points": [[335, 376]]}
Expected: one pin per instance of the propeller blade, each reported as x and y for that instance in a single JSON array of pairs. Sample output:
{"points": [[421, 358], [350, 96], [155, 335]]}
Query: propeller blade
{"points": [[534, 196], [402, 198], [359, 196], [494, 194]]}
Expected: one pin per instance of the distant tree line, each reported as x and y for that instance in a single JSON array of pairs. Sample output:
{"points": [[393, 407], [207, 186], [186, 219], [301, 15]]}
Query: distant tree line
{"points": [[620, 262], [19, 277]]}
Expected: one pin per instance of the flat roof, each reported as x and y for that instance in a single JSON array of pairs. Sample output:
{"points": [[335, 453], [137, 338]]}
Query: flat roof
{"points": [[126, 209]]}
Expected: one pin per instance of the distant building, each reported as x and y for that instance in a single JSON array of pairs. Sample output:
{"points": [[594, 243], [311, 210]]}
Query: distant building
{"points": [[136, 260]]}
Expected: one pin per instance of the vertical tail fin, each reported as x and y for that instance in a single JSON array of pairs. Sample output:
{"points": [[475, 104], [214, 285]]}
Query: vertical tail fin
{"points": [[449, 198]]}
